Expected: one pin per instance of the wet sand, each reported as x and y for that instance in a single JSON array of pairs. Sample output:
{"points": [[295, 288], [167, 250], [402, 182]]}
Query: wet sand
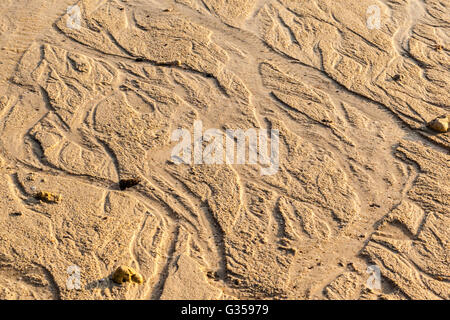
{"points": [[93, 95]]}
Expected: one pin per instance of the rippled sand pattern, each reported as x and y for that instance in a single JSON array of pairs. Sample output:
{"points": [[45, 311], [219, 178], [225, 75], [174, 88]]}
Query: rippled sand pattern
{"points": [[362, 181]]}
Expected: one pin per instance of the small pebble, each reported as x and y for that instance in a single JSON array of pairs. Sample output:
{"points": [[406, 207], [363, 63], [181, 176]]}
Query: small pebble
{"points": [[128, 183], [440, 124], [127, 274], [48, 197]]}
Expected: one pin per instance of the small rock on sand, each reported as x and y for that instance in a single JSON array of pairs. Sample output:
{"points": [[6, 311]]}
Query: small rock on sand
{"points": [[128, 183], [48, 197], [127, 274], [440, 124]]}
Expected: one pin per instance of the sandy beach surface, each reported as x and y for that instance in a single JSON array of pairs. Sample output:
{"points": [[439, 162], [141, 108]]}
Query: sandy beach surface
{"points": [[347, 195]]}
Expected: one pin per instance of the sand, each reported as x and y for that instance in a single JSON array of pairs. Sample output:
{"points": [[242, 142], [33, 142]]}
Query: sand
{"points": [[362, 184]]}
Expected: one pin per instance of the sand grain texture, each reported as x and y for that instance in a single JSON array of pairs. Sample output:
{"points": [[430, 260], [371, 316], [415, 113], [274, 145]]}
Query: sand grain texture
{"points": [[362, 179]]}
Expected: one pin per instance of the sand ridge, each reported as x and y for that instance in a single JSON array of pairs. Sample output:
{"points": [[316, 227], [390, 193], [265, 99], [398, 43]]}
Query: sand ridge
{"points": [[362, 181]]}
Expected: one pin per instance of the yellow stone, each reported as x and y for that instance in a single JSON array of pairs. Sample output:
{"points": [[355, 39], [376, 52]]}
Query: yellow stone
{"points": [[48, 197], [440, 124], [127, 274]]}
